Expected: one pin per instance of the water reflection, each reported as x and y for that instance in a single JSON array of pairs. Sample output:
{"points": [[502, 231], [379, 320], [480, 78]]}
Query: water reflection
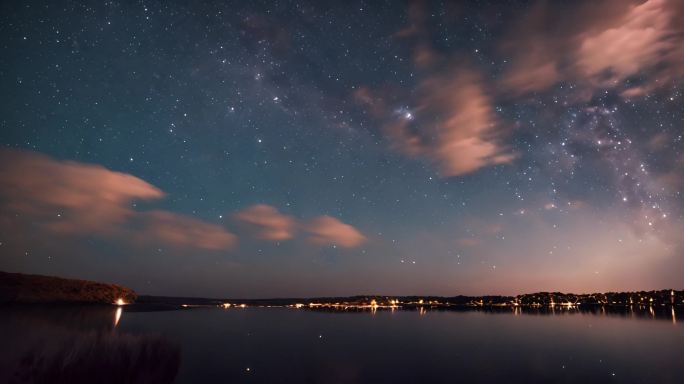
{"points": [[78, 344], [665, 312], [674, 316], [117, 316], [424, 343]]}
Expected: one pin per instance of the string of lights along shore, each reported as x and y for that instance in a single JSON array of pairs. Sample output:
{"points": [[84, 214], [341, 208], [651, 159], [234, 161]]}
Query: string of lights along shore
{"points": [[305, 149]]}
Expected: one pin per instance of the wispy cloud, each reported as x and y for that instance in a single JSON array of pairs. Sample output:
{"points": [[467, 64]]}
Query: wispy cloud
{"points": [[612, 53], [466, 131], [67, 197], [72, 198], [449, 121], [626, 45], [183, 231], [267, 223], [327, 230]]}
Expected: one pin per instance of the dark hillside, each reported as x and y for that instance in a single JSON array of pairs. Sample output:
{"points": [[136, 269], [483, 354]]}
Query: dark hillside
{"points": [[21, 288]]}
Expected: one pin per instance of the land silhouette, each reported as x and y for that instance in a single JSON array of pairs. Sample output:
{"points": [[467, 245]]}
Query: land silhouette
{"points": [[23, 288]]}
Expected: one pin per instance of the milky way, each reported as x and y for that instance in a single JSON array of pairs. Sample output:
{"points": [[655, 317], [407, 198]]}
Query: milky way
{"points": [[304, 148]]}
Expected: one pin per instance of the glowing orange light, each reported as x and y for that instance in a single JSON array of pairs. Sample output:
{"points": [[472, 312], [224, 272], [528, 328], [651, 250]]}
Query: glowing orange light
{"points": [[120, 302], [117, 316]]}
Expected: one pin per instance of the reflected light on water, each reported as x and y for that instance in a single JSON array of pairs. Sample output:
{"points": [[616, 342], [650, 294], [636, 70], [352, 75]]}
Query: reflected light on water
{"points": [[117, 316], [82, 343]]}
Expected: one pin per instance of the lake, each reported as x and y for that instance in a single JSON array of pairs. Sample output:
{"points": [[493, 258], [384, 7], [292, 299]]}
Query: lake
{"points": [[284, 345]]}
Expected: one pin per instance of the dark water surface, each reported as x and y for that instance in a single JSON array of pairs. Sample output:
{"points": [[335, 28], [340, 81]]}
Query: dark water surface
{"points": [[279, 345]]}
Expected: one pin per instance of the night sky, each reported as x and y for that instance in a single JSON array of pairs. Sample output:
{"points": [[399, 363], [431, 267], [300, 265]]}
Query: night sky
{"points": [[260, 149]]}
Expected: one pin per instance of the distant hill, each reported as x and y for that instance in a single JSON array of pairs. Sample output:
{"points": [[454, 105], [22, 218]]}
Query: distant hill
{"points": [[22, 288]]}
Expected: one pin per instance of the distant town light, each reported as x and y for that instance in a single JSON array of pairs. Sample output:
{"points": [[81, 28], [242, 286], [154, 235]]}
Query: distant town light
{"points": [[120, 302]]}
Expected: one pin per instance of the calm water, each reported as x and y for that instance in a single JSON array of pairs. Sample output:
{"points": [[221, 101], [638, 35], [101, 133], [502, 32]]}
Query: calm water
{"points": [[279, 345]]}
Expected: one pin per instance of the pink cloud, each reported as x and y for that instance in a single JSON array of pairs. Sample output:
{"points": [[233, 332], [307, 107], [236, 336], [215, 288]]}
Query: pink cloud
{"points": [[424, 56], [327, 230], [635, 42], [77, 198], [67, 195], [596, 45], [455, 127], [416, 15], [183, 231], [534, 63], [267, 222], [468, 242], [417, 32], [531, 74], [448, 119]]}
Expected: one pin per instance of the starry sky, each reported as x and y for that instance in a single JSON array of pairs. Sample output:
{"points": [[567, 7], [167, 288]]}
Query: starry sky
{"points": [[276, 148]]}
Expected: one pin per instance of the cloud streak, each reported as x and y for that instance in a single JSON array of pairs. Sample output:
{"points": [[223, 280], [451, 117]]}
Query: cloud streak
{"points": [[625, 45], [71, 198], [451, 124], [447, 119], [183, 231], [467, 132], [267, 223], [327, 230], [67, 197]]}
